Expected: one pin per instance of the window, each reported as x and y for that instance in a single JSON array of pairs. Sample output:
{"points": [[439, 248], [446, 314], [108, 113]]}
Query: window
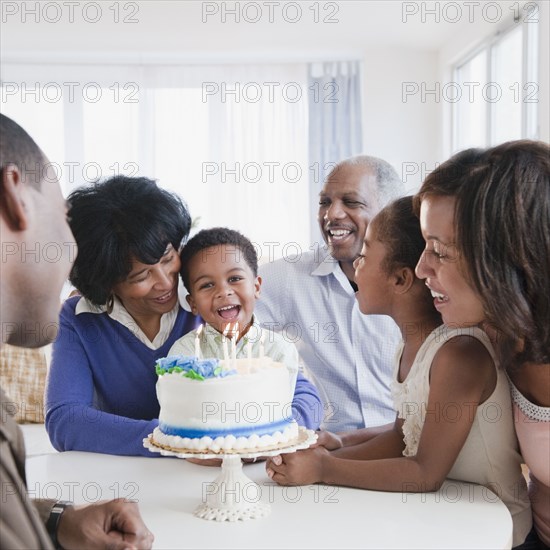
{"points": [[496, 90], [232, 140]]}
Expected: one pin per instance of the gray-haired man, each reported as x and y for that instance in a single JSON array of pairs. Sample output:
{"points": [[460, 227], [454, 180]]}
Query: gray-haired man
{"points": [[311, 299]]}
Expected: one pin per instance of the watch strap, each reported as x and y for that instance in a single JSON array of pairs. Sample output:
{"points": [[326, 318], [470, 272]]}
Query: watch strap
{"points": [[53, 520]]}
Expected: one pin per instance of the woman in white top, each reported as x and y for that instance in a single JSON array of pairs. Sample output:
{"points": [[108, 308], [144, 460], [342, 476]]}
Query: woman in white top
{"points": [[453, 406], [501, 213]]}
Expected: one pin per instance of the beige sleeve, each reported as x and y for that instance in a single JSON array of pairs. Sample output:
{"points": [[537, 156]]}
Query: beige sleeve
{"points": [[44, 507]]}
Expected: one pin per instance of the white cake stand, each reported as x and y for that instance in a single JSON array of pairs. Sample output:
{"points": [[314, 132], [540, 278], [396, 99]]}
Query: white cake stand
{"points": [[228, 496]]}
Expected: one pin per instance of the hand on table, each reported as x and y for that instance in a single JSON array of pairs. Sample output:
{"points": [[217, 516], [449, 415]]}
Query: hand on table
{"points": [[300, 468], [115, 525], [328, 440]]}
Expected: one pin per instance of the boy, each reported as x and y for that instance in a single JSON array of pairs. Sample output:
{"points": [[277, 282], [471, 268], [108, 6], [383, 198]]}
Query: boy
{"points": [[219, 268]]}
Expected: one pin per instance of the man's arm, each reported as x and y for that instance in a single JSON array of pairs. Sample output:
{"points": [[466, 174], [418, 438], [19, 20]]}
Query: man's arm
{"points": [[116, 524]]}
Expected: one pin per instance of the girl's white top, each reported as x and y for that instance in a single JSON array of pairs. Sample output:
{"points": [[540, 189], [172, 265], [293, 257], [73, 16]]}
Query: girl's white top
{"points": [[490, 455]]}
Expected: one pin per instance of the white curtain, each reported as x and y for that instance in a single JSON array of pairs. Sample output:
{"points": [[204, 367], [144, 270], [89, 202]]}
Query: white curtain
{"points": [[242, 160], [334, 120], [239, 143]]}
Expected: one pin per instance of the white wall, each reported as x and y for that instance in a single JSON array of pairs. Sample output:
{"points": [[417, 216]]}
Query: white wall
{"points": [[394, 51], [544, 72], [401, 129], [410, 133]]}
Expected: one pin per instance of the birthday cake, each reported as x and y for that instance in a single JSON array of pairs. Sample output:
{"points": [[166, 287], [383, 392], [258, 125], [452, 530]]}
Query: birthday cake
{"points": [[213, 406]]}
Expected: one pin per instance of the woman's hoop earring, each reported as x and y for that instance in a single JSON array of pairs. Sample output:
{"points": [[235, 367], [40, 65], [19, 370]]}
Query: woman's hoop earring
{"points": [[110, 303]]}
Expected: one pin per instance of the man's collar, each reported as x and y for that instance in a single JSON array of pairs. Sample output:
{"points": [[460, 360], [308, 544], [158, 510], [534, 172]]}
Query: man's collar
{"points": [[326, 265], [330, 266]]}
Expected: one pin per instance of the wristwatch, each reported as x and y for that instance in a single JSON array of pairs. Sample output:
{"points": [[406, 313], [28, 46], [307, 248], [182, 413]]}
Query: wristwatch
{"points": [[53, 520]]}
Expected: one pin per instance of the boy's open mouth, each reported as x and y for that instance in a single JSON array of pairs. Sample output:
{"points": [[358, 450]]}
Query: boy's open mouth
{"points": [[230, 312]]}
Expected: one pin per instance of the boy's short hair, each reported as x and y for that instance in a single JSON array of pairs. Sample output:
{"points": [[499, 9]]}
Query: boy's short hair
{"points": [[216, 236]]}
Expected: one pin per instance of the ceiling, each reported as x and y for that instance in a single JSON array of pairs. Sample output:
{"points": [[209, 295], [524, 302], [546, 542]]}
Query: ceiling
{"points": [[191, 28]]}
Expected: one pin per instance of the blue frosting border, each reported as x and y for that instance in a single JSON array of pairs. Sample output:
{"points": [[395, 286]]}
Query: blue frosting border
{"points": [[266, 429]]}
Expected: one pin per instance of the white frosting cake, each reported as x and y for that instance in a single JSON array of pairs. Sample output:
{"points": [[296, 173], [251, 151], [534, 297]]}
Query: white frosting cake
{"points": [[210, 407]]}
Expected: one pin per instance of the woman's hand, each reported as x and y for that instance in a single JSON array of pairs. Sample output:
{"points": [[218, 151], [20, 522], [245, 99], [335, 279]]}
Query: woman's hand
{"points": [[300, 468]]}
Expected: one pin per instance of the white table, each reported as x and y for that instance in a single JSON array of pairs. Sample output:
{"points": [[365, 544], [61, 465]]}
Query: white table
{"points": [[317, 516]]}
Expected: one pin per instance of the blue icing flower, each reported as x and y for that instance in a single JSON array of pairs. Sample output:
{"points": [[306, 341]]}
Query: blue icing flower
{"points": [[191, 367], [186, 363], [166, 363], [206, 367], [222, 373]]}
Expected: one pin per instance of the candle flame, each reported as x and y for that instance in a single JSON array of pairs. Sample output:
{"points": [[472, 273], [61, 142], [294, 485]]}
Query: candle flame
{"points": [[199, 330]]}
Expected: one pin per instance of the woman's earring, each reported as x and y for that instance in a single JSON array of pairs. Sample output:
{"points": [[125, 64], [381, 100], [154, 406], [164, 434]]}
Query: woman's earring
{"points": [[110, 303]]}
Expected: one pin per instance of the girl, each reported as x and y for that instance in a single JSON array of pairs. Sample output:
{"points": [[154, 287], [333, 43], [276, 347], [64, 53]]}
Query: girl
{"points": [[453, 405], [501, 217]]}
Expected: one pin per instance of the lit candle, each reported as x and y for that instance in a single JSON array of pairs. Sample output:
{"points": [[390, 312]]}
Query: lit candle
{"points": [[224, 343], [262, 340], [234, 347], [198, 343], [248, 356]]}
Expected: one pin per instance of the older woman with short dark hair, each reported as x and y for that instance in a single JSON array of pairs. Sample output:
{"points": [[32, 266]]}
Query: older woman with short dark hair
{"points": [[101, 394], [101, 387]]}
